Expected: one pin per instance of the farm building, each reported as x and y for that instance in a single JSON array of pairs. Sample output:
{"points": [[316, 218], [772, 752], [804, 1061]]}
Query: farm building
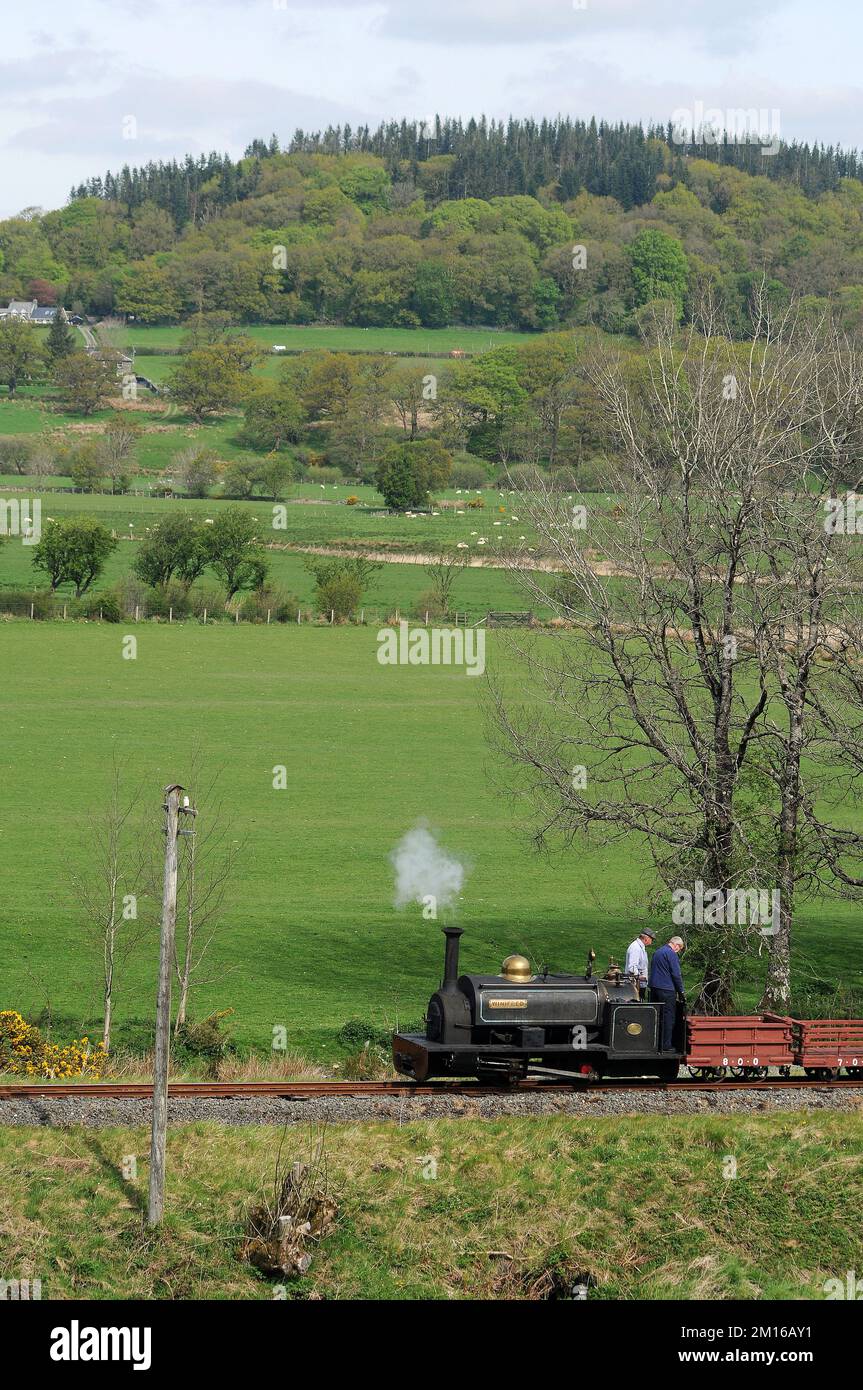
{"points": [[30, 311]]}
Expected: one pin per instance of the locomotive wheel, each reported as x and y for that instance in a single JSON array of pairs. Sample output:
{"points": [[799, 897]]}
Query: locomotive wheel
{"points": [[668, 1071]]}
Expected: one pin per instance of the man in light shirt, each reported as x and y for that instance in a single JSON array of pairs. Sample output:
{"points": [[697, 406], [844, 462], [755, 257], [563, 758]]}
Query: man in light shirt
{"points": [[636, 959]]}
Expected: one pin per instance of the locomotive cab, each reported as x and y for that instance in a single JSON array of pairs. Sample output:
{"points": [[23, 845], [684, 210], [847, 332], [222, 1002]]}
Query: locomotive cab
{"points": [[505, 1025]]}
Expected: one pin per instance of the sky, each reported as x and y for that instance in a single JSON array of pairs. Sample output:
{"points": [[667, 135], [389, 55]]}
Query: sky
{"points": [[94, 85]]}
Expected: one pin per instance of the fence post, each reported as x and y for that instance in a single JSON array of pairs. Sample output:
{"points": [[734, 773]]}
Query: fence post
{"points": [[237, 616], [31, 609], [136, 612], [64, 612], [205, 617], [268, 615], [170, 615], [332, 616]]}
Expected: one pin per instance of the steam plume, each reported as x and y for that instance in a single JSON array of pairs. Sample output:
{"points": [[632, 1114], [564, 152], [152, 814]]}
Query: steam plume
{"points": [[424, 870]]}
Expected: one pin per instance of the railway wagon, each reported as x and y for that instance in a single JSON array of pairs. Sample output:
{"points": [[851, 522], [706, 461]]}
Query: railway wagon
{"points": [[501, 1027], [826, 1046], [742, 1044]]}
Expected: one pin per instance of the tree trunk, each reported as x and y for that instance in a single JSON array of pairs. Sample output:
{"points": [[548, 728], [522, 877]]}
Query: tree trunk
{"points": [[777, 986]]}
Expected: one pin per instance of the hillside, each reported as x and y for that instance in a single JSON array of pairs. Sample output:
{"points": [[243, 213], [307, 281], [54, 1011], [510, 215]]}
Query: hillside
{"points": [[470, 225]]}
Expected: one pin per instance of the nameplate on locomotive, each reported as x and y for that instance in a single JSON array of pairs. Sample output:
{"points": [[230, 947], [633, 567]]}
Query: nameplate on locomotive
{"points": [[507, 1003]]}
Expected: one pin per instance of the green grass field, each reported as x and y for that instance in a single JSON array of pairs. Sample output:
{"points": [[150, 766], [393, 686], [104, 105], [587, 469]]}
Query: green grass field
{"points": [[296, 338], [308, 523], [568, 1200], [312, 938]]}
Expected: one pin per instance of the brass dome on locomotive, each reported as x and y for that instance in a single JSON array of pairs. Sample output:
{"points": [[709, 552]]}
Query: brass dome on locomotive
{"points": [[516, 967]]}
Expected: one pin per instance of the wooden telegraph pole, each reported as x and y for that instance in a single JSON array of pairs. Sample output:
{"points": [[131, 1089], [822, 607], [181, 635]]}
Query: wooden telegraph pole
{"points": [[173, 810]]}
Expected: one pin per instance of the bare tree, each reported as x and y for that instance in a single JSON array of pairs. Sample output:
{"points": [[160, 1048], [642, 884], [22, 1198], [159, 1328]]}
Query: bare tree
{"points": [[409, 396], [207, 863], [107, 889], [660, 715], [443, 572], [812, 620]]}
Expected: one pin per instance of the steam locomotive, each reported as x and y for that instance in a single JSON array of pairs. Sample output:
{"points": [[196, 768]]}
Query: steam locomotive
{"points": [[496, 1027]]}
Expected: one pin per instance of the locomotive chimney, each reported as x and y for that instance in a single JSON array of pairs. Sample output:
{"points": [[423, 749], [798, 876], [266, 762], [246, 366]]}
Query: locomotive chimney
{"points": [[450, 965]]}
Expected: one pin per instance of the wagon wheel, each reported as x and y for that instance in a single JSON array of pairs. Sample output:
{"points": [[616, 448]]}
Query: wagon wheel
{"points": [[741, 1073], [784, 1071], [758, 1073], [707, 1073], [821, 1073], [855, 1072]]}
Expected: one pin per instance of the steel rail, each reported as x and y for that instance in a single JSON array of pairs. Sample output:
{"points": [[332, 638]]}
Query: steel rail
{"points": [[307, 1090]]}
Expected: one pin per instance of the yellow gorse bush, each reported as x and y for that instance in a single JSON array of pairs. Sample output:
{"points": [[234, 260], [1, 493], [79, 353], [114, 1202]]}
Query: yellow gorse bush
{"points": [[24, 1052]]}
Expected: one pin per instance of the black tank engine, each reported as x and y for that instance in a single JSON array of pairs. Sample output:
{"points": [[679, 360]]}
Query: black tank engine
{"points": [[500, 1026]]}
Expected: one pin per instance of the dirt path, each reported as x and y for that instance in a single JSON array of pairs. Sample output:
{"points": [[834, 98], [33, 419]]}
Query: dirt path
{"points": [[601, 567]]}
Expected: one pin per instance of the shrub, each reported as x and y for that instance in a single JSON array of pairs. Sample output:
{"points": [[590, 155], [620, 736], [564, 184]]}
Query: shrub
{"points": [[368, 1063], [324, 474], [209, 598], [195, 470], [467, 472], [520, 475], [105, 607], [476, 504], [16, 454], [24, 1052], [564, 480], [352, 500], [282, 607], [593, 475], [17, 602], [428, 602], [207, 1039], [357, 1032], [131, 594], [171, 599], [339, 595]]}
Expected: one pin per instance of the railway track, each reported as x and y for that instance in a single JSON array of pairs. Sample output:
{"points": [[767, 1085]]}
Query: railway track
{"points": [[307, 1090]]}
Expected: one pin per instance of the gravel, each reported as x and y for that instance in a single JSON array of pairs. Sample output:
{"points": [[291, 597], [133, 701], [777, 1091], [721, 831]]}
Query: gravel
{"points": [[104, 1113]]}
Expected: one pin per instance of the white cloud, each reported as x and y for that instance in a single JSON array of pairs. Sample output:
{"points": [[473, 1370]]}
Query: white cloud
{"points": [[171, 117], [542, 21], [211, 74]]}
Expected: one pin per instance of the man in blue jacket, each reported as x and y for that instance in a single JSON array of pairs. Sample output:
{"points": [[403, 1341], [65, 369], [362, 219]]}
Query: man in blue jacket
{"points": [[666, 985]]}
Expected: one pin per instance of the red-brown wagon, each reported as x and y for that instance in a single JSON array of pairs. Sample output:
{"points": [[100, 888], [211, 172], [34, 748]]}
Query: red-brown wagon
{"points": [[824, 1046], [743, 1044]]}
